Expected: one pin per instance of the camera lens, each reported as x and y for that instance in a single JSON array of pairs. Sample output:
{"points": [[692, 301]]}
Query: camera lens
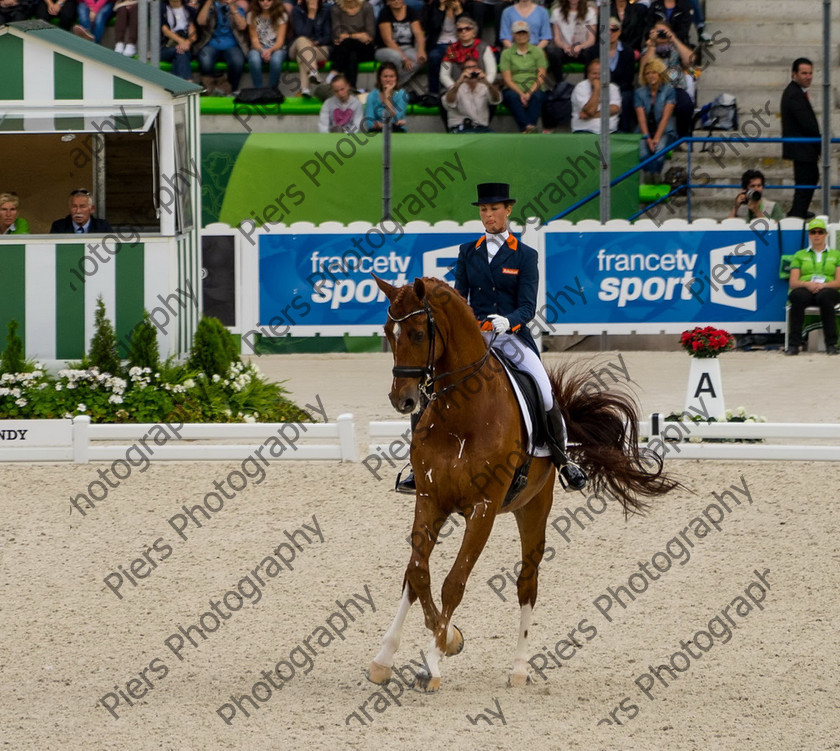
{"points": [[662, 34]]}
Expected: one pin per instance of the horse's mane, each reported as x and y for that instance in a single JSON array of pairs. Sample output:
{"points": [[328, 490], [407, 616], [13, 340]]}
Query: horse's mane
{"points": [[435, 284]]}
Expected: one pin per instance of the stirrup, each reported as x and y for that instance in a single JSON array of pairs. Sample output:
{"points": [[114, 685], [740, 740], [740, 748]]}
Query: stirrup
{"points": [[407, 485], [572, 477]]}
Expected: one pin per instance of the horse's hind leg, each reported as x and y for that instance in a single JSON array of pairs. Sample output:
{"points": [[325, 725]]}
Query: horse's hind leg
{"points": [[531, 520]]}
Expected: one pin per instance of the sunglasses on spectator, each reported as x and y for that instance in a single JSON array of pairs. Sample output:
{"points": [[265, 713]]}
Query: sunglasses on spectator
{"points": [[615, 28], [465, 28], [816, 231], [80, 192]]}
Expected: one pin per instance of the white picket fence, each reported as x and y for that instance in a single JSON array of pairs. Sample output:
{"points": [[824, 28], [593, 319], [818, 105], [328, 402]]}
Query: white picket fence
{"points": [[78, 440]]}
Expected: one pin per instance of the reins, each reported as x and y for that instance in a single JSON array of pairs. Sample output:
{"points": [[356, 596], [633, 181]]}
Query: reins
{"points": [[427, 372]]}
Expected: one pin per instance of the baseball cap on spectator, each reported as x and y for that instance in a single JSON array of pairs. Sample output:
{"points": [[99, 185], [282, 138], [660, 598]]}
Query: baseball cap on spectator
{"points": [[518, 26], [817, 224]]}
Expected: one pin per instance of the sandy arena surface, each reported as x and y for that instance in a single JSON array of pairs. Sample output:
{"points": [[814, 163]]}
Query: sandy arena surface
{"points": [[69, 644]]}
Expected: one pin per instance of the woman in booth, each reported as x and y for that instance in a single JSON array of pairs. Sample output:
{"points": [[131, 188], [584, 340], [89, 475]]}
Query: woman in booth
{"points": [[10, 222], [814, 280]]}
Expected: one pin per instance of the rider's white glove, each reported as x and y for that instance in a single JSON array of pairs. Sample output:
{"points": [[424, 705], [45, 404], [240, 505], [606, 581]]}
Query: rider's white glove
{"points": [[501, 325]]}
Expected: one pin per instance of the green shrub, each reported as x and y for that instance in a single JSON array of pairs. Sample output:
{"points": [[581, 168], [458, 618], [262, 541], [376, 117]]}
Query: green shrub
{"points": [[143, 349], [103, 345], [14, 357], [214, 348]]}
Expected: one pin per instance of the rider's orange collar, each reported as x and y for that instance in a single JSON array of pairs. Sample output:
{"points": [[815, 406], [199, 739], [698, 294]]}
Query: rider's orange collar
{"points": [[511, 242]]}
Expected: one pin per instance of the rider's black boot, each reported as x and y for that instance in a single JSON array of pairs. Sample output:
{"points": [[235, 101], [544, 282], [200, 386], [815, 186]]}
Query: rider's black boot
{"points": [[407, 484], [572, 477]]}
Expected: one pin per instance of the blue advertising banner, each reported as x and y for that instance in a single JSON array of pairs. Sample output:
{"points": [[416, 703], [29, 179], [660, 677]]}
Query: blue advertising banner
{"points": [[651, 281], [320, 282]]}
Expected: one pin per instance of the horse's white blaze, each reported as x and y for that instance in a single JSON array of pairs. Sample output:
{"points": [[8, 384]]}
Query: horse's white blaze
{"points": [[520, 657], [396, 331], [391, 642]]}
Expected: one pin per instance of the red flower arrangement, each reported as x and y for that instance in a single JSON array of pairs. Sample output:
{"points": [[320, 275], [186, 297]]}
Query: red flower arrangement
{"points": [[706, 342]]}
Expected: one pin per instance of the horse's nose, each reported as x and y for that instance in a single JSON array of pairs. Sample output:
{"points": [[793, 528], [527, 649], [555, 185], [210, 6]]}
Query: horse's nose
{"points": [[402, 404]]}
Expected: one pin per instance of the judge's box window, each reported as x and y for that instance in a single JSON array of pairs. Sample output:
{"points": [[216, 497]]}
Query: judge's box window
{"points": [[114, 152]]}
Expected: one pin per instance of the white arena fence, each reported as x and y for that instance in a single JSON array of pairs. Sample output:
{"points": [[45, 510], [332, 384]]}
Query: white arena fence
{"points": [[673, 440], [80, 441]]}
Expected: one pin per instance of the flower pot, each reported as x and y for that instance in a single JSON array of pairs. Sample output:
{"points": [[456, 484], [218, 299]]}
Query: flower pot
{"points": [[705, 390]]}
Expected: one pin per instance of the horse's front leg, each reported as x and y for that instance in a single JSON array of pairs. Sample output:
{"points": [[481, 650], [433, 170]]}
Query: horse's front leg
{"points": [[380, 668], [416, 585], [447, 639]]}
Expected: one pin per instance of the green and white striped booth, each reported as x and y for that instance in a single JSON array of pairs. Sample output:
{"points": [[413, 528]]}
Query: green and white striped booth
{"points": [[74, 114]]}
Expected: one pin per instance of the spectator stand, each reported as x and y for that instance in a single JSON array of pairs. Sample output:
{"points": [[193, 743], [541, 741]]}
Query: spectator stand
{"points": [[87, 117], [654, 195]]}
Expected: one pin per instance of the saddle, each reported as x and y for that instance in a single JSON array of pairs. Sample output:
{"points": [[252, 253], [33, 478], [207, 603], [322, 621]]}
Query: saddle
{"points": [[539, 425]]}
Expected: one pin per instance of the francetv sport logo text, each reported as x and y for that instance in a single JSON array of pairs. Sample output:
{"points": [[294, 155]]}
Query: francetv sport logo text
{"points": [[627, 277]]}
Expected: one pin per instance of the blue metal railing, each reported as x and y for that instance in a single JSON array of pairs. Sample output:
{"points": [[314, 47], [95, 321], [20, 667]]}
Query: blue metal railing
{"points": [[688, 186]]}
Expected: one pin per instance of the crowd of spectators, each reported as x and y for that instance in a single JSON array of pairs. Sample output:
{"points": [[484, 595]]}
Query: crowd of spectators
{"points": [[417, 36]]}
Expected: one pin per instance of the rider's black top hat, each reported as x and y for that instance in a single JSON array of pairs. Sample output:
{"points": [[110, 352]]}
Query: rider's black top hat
{"points": [[493, 193]]}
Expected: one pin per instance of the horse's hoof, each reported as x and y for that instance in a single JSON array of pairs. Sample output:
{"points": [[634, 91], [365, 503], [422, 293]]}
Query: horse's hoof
{"points": [[378, 674], [518, 680], [456, 643], [425, 683]]}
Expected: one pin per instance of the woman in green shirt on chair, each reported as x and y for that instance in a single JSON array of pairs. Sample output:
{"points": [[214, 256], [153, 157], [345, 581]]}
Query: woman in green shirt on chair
{"points": [[814, 280], [10, 222]]}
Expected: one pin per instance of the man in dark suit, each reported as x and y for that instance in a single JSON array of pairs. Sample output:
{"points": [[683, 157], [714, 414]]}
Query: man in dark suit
{"points": [[799, 121], [80, 220]]}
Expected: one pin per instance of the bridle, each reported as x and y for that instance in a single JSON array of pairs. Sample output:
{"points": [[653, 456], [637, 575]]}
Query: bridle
{"points": [[426, 373]]}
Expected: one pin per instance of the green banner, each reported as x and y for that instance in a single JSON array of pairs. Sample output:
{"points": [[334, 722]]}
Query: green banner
{"points": [[303, 177]]}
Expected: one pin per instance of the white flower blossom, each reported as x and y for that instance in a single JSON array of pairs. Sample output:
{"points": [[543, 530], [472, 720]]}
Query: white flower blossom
{"points": [[21, 402], [189, 383], [115, 399], [81, 407], [216, 378]]}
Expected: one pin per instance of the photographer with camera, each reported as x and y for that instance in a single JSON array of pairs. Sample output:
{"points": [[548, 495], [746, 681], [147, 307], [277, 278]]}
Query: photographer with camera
{"points": [[468, 100], [750, 202], [664, 45]]}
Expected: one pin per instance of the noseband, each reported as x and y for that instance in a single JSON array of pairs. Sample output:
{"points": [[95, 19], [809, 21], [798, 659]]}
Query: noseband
{"points": [[426, 374]]}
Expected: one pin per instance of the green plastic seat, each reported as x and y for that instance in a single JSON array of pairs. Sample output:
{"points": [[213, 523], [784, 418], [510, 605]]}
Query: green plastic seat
{"points": [[651, 193]]}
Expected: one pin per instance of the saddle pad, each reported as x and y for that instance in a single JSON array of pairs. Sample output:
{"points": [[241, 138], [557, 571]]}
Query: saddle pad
{"points": [[539, 451]]}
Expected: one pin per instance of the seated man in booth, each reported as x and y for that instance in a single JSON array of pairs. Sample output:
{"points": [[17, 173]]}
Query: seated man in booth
{"points": [[80, 220]]}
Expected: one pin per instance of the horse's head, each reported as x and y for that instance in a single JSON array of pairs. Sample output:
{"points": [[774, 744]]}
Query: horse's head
{"points": [[415, 341]]}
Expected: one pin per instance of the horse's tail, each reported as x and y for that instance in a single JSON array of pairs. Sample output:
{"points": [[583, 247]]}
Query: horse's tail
{"points": [[603, 425]]}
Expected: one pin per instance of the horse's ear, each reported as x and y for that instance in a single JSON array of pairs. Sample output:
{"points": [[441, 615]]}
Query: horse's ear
{"points": [[419, 288], [389, 289]]}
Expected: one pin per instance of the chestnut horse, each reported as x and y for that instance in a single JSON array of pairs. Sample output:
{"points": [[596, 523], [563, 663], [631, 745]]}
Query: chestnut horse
{"points": [[465, 447]]}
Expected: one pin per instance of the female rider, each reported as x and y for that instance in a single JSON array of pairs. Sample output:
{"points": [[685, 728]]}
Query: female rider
{"points": [[498, 277]]}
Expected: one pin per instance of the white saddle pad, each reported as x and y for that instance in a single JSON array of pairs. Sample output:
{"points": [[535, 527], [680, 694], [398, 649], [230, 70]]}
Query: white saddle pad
{"points": [[542, 450]]}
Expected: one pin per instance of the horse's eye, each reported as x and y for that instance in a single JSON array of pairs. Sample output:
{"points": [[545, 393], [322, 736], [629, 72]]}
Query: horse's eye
{"points": [[417, 336]]}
